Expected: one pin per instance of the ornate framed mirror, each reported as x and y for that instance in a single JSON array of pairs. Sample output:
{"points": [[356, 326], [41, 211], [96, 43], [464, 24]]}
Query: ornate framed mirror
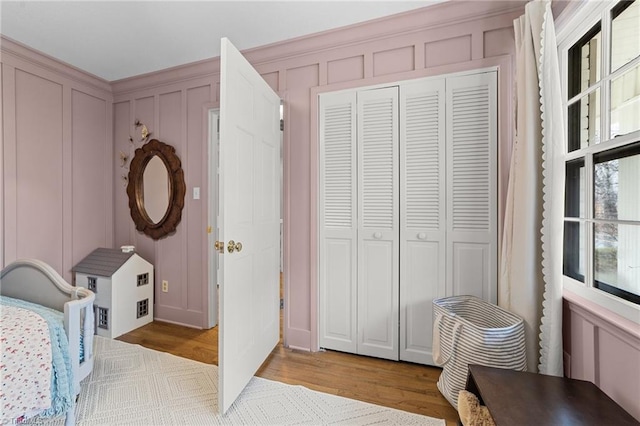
{"points": [[156, 189]]}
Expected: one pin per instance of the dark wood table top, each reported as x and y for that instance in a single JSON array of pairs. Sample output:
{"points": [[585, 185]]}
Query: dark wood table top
{"points": [[521, 398]]}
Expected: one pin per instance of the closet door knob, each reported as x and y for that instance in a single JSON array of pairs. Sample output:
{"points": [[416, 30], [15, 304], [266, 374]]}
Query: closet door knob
{"points": [[422, 236], [377, 235]]}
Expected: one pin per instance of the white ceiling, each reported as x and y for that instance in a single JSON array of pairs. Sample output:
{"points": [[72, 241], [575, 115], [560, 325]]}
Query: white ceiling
{"points": [[119, 39]]}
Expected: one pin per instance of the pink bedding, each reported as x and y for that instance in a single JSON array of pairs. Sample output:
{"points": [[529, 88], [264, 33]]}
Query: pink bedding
{"points": [[25, 366]]}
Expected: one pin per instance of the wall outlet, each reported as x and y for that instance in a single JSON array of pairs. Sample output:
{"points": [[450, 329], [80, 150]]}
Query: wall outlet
{"points": [[165, 286]]}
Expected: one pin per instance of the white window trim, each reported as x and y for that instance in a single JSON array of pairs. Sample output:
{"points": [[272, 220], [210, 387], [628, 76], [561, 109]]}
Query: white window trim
{"points": [[582, 17]]}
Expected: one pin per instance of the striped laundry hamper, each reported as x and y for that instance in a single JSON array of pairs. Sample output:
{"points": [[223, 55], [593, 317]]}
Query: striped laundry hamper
{"points": [[468, 330]]}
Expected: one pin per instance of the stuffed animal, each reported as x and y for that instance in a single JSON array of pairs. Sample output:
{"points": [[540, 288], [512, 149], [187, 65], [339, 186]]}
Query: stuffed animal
{"points": [[471, 412]]}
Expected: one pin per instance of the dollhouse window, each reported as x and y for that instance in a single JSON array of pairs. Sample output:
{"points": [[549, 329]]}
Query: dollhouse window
{"points": [[143, 308], [103, 318], [143, 279], [92, 284]]}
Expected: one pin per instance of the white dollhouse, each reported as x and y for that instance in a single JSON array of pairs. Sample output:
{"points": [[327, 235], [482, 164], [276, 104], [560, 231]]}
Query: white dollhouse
{"points": [[123, 283]]}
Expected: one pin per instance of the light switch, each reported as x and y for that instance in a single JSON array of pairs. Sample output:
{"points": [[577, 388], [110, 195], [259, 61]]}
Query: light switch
{"points": [[196, 193]]}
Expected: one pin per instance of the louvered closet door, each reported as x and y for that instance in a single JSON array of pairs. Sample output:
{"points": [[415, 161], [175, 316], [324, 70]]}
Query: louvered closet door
{"points": [[338, 222], [422, 214], [378, 232], [472, 185]]}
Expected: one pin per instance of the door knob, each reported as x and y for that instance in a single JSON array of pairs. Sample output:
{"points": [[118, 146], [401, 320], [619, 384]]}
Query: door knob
{"points": [[422, 236], [233, 246], [219, 246], [377, 235]]}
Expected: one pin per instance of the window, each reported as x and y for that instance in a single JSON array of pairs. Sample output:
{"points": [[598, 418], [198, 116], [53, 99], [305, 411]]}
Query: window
{"points": [[103, 318], [602, 181], [142, 308], [143, 279], [92, 284]]}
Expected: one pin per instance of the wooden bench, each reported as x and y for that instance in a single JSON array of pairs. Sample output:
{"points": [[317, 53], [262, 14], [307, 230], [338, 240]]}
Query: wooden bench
{"points": [[521, 398]]}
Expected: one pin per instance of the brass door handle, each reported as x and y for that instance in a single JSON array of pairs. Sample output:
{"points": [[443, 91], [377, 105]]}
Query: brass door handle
{"points": [[233, 246]]}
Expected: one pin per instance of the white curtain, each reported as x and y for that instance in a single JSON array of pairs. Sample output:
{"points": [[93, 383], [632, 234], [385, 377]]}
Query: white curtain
{"points": [[531, 262]]}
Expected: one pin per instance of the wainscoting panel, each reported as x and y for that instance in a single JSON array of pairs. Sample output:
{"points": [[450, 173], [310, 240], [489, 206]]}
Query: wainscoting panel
{"points": [[449, 51], [39, 168], [122, 130], [57, 157], [604, 349], [92, 159], [393, 61], [495, 42], [272, 79], [345, 69]]}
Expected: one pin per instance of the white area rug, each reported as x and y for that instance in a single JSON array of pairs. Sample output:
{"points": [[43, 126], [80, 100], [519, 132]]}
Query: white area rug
{"points": [[135, 385]]}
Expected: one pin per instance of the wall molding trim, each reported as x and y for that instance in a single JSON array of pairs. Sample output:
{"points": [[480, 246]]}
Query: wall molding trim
{"points": [[610, 321], [206, 68], [426, 18], [604, 348], [377, 30], [34, 57]]}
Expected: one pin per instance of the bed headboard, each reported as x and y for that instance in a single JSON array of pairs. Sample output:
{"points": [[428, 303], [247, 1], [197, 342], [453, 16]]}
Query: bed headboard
{"points": [[35, 281]]}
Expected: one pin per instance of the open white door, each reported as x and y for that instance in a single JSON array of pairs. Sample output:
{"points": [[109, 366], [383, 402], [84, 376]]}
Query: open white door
{"points": [[249, 223]]}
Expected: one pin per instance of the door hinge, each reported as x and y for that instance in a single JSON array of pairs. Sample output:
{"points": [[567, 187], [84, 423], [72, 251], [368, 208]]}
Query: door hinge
{"points": [[281, 124], [281, 303], [218, 125]]}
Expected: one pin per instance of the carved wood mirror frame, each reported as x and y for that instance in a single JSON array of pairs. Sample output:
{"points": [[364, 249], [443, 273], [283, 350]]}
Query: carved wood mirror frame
{"points": [[135, 189]]}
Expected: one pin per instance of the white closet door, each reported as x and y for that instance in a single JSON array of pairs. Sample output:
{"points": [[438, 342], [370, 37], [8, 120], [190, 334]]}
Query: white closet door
{"points": [[378, 233], [472, 185], [338, 222], [422, 214]]}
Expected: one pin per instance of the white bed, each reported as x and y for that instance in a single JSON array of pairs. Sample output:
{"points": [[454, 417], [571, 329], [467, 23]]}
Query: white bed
{"points": [[36, 282]]}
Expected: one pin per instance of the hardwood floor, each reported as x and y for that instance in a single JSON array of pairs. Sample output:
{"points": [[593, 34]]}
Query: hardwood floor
{"points": [[400, 385]]}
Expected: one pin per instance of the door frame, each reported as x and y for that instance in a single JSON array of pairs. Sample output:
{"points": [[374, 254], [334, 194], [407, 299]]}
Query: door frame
{"points": [[213, 146]]}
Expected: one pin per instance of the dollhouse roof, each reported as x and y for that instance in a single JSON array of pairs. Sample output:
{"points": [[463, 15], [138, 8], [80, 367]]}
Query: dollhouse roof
{"points": [[103, 262]]}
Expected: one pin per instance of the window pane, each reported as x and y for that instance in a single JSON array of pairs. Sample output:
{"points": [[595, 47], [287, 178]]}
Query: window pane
{"points": [[584, 62], [574, 203], [625, 103], [617, 259], [616, 184], [574, 249], [625, 33], [584, 121]]}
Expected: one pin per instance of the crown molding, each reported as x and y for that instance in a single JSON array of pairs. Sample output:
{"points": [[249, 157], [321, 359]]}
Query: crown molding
{"points": [[178, 74], [426, 18], [22, 52], [406, 23]]}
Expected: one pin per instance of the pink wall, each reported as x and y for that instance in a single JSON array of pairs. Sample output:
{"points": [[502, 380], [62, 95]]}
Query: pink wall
{"points": [[175, 113], [444, 38], [56, 164], [603, 348], [63, 192]]}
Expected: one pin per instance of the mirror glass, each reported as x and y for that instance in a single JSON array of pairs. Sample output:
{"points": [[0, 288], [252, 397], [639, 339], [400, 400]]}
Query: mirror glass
{"points": [[156, 189]]}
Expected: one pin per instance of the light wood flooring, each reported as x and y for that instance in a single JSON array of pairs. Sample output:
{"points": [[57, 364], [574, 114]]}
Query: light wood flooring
{"points": [[400, 385]]}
